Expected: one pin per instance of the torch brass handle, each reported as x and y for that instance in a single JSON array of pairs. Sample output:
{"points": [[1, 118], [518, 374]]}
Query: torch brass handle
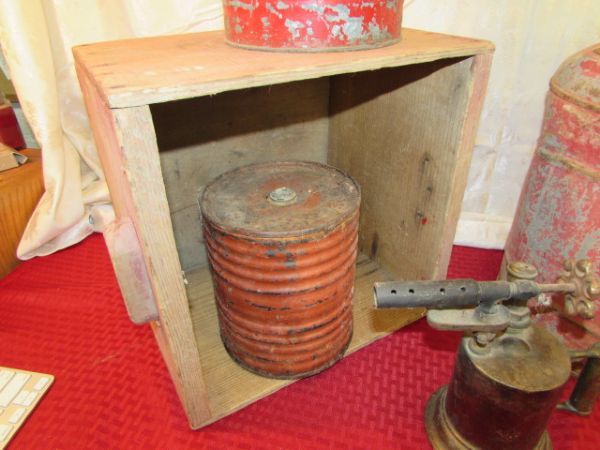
{"points": [[581, 301]]}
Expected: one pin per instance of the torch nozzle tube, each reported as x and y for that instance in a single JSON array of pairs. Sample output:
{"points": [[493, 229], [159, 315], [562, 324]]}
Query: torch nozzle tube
{"points": [[450, 294]]}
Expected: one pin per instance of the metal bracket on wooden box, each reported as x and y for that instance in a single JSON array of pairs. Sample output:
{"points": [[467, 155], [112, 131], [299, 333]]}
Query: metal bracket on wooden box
{"points": [[130, 268]]}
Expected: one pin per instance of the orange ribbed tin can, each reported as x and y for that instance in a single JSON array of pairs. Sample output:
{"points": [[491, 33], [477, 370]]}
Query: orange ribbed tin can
{"points": [[281, 239]]}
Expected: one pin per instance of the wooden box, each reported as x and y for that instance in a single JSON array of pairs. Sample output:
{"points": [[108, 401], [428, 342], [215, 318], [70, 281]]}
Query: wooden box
{"points": [[171, 113], [20, 191]]}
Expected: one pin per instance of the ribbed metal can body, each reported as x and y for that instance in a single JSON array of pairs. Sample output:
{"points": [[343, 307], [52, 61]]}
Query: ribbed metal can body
{"points": [[283, 265], [312, 25]]}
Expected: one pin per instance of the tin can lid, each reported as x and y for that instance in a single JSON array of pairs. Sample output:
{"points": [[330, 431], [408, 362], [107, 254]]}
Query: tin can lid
{"points": [[279, 199], [578, 78]]}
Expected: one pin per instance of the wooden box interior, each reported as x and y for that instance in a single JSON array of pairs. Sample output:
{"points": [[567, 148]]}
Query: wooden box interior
{"points": [[169, 113], [395, 130]]}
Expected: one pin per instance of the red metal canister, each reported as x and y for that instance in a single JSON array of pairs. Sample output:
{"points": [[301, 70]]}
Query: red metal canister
{"points": [[312, 25], [281, 239], [558, 216], [10, 132]]}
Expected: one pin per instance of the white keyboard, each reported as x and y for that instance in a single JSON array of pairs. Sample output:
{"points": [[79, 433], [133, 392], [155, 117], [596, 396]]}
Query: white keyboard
{"points": [[20, 392]]}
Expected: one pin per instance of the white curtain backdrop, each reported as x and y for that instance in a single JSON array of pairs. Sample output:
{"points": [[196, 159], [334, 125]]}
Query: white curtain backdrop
{"points": [[37, 37], [532, 38]]}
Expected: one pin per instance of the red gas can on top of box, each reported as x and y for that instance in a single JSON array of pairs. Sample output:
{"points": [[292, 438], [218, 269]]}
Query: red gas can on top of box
{"points": [[312, 25]]}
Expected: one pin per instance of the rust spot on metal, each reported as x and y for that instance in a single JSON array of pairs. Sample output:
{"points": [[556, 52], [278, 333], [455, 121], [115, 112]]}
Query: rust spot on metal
{"points": [[283, 274]]}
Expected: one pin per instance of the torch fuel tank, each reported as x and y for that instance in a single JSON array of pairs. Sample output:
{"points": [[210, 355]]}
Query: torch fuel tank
{"points": [[501, 398], [281, 239]]}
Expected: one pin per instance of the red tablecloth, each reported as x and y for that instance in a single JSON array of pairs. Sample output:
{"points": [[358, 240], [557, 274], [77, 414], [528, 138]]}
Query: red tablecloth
{"points": [[63, 315]]}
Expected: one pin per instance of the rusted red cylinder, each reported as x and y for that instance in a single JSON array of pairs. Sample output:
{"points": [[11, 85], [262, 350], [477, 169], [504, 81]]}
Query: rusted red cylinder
{"points": [[558, 216], [500, 397], [10, 132], [281, 239], [312, 25]]}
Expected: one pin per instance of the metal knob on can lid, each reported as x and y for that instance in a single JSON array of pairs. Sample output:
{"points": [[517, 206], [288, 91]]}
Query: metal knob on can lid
{"points": [[281, 239], [283, 196]]}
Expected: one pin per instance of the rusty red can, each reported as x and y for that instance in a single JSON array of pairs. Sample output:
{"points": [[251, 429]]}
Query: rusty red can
{"points": [[312, 25], [281, 240], [10, 131], [558, 216]]}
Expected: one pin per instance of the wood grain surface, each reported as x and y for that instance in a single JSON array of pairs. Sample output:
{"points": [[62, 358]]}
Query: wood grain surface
{"points": [[406, 135], [20, 191], [159, 69], [127, 146]]}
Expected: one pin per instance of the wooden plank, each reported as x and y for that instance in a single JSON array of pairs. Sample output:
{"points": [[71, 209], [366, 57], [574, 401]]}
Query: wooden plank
{"points": [[398, 132], [130, 268], [141, 165], [200, 139], [103, 129], [160, 69], [127, 146], [20, 190], [230, 387], [477, 86]]}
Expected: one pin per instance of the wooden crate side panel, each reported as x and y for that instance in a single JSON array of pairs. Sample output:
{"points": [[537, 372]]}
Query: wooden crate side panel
{"points": [[142, 167], [128, 152], [398, 132], [200, 139], [102, 125], [480, 73]]}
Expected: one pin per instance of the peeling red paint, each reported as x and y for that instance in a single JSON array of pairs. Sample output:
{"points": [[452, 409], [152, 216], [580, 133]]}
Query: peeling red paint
{"points": [[558, 216], [590, 68], [312, 25]]}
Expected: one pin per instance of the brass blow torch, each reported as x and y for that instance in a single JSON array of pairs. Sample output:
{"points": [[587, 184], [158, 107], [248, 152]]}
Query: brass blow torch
{"points": [[509, 373]]}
